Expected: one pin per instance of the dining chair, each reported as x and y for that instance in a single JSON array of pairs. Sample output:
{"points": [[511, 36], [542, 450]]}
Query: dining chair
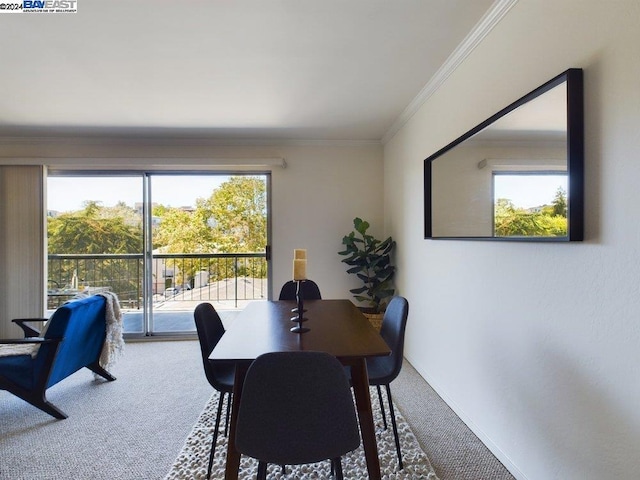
{"points": [[221, 376], [383, 370], [310, 291], [296, 408]]}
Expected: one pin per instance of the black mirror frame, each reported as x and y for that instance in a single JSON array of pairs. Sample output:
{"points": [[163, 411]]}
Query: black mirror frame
{"points": [[575, 160]]}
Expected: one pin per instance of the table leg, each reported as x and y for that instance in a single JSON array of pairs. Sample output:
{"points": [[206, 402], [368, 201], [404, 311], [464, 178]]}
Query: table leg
{"points": [[360, 381], [233, 456]]}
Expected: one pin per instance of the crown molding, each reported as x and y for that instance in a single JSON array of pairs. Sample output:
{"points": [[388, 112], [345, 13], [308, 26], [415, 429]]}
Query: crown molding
{"points": [[490, 19], [125, 141]]}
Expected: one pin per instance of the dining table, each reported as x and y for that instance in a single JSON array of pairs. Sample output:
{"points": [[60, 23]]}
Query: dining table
{"points": [[335, 326]]}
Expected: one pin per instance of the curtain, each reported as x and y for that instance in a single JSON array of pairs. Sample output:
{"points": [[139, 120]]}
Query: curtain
{"points": [[22, 245]]}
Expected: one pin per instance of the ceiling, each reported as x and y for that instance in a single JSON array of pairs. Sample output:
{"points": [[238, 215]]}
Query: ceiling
{"points": [[334, 70]]}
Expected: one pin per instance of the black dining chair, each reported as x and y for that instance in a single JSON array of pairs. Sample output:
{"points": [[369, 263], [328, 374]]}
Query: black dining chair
{"points": [[210, 330], [383, 370], [296, 408], [310, 290]]}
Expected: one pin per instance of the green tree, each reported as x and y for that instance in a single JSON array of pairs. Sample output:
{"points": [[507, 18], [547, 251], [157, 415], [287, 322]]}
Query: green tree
{"points": [[232, 220], [237, 214], [182, 231], [560, 203], [97, 230], [511, 221], [93, 230]]}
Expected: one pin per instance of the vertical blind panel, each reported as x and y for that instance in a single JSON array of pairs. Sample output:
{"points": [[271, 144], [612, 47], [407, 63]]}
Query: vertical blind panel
{"points": [[22, 246]]}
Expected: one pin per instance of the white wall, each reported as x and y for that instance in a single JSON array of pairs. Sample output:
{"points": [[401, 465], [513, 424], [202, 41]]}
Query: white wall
{"points": [[315, 200], [536, 346]]}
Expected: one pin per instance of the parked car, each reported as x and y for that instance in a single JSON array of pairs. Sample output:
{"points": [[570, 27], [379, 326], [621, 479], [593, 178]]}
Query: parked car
{"points": [[170, 292]]}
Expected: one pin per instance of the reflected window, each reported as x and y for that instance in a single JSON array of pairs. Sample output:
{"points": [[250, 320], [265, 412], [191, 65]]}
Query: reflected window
{"points": [[529, 204]]}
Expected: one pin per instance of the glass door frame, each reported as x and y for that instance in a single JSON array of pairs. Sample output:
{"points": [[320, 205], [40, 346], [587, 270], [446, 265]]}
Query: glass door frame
{"points": [[147, 240]]}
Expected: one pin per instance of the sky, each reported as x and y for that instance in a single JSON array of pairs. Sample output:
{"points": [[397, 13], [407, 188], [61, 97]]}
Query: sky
{"points": [[68, 193], [528, 191]]}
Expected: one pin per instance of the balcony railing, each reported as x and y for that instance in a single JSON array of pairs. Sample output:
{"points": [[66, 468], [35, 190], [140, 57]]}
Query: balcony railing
{"points": [[220, 277]]}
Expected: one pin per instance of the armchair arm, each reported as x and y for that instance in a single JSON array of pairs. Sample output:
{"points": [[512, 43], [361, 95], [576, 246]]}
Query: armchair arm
{"points": [[28, 330], [15, 341]]}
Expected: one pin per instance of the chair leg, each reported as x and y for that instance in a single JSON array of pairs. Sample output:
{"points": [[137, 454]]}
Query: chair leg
{"points": [[226, 423], [336, 464], [215, 435], [395, 426], [262, 471], [51, 409], [37, 398], [96, 368], [384, 415], [41, 402]]}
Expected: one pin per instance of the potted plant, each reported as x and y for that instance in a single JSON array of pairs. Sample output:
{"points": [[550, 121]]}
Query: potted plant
{"points": [[370, 260]]}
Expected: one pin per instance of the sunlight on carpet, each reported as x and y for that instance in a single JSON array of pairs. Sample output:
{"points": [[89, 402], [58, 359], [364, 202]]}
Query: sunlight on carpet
{"points": [[192, 460]]}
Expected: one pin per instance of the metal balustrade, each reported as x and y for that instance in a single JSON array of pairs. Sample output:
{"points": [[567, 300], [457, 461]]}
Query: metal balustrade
{"points": [[177, 277]]}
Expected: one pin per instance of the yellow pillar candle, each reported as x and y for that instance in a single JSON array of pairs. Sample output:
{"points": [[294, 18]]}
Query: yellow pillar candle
{"points": [[300, 254], [299, 269]]}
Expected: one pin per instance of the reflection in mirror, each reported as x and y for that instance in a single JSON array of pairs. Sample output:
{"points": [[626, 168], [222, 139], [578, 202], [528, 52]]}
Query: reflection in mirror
{"points": [[516, 176], [530, 204]]}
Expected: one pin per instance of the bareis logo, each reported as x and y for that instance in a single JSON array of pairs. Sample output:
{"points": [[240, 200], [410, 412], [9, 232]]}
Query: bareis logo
{"points": [[40, 6], [49, 4]]}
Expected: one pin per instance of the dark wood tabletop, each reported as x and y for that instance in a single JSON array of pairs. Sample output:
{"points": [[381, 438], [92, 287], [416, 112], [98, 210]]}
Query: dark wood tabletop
{"points": [[336, 327]]}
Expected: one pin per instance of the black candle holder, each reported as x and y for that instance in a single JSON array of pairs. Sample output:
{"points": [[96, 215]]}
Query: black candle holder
{"points": [[299, 310]]}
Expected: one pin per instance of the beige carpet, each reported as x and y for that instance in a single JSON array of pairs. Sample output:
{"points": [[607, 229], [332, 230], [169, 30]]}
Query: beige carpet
{"points": [[192, 460], [135, 427]]}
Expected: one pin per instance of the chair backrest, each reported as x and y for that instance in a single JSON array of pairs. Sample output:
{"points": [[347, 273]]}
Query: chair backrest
{"points": [[296, 408], [82, 326], [392, 330], [310, 291], [210, 330]]}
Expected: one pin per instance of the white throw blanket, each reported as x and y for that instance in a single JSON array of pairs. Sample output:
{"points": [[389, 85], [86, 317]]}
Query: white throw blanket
{"points": [[10, 349], [113, 342]]}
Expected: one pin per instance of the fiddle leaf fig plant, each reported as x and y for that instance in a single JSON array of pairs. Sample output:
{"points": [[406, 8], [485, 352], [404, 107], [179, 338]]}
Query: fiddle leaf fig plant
{"points": [[370, 260]]}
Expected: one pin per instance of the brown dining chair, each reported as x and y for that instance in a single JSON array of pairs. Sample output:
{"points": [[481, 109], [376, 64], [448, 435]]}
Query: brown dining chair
{"points": [[296, 408]]}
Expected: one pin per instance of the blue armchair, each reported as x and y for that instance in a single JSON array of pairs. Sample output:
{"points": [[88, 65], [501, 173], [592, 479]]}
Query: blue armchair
{"points": [[74, 338]]}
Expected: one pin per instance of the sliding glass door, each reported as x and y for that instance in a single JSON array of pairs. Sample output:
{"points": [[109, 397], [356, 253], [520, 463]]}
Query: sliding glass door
{"points": [[162, 242]]}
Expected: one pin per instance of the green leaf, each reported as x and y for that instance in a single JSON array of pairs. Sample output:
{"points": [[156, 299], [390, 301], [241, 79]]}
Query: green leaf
{"points": [[360, 225], [358, 290]]}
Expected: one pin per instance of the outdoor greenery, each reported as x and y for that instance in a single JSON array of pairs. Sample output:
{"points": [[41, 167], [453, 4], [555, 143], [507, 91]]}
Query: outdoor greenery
{"points": [[233, 219], [95, 229], [370, 260], [548, 221]]}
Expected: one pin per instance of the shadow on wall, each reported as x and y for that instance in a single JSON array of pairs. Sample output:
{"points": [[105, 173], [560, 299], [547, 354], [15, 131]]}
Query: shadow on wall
{"points": [[570, 416]]}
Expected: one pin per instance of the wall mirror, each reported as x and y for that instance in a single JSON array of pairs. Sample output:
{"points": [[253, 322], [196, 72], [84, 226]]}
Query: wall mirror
{"points": [[517, 176]]}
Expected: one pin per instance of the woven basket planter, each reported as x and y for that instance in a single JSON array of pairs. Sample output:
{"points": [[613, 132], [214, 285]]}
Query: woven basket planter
{"points": [[375, 319]]}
